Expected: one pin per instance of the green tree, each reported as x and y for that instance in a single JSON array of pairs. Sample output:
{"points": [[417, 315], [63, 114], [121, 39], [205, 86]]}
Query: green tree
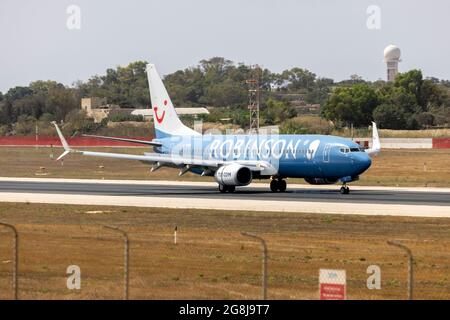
{"points": [[425, 119], [351, 105], [227, 93], [389, 116], [277, 111], [124, 86], [299, 78]]}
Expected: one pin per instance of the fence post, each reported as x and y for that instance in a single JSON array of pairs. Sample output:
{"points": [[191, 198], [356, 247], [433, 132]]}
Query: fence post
{"points": [[264, 262], [126, 258], [16, 259], [410, 266]]}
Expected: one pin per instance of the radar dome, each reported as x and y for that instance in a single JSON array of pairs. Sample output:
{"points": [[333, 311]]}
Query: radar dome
{"points": [[391, 52]]}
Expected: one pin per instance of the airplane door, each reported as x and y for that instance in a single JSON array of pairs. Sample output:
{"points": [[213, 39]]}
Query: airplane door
{"points": [[326, 153]]}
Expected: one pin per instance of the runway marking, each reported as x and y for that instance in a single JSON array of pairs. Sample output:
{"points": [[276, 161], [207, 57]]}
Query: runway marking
{"points": [[135, 193], [264, 185], [233, 204]]}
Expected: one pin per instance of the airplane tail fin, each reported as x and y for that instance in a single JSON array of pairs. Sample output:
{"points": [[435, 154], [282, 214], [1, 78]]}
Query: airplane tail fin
{"points": [[165, 118], [376, 145]]}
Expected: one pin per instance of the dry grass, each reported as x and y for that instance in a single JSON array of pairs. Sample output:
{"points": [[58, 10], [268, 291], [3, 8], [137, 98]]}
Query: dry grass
{"points": [[426, 133], [424, 168], [212, 259], [392, 167]]}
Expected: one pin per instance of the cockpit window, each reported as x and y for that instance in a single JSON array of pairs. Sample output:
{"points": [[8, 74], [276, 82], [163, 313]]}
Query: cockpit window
{"points": [[344, 150], [356, 149]]}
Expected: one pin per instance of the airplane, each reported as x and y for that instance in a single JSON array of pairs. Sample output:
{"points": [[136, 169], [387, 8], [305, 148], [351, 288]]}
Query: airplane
{"points": [[235, 160]]}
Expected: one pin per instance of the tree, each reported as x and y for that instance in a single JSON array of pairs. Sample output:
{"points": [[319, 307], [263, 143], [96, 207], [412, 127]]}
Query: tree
{"points": [[227, 93], [124, 86], [425, 119], [6, 113], [216, 66], [18, 93], [277, 111], [299, 78], [411, 82], [389, 116], [351, 105]]}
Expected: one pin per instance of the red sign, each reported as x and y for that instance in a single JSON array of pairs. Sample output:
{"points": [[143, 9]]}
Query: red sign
{"points": [[330, 291], [332, 284]]}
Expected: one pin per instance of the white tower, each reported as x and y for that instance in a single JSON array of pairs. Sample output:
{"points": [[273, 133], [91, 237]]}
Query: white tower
{"points": [[392, 58]]}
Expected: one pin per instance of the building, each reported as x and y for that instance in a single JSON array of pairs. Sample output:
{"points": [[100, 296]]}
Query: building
{"points": [[98, 109], [392, 58]]}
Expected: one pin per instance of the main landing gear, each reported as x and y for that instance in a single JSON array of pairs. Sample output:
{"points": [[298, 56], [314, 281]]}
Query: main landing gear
{"points": [[223, 188], [344, 189], [278, 185]]}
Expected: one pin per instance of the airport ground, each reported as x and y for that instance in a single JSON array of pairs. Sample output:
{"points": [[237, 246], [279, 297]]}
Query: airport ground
{"points": [[211, 258], [399, 167]]}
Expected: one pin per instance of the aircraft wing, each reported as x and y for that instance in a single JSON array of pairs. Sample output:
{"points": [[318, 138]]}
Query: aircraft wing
{"points": [[150, 143], [185, 163]]}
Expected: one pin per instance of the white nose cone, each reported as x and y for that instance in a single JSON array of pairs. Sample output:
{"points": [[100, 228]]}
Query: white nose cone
{"points": [[392, 53]]}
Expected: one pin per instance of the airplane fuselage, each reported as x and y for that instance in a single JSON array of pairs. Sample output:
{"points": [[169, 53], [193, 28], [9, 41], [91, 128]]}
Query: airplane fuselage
{"points": [[299, 156]]}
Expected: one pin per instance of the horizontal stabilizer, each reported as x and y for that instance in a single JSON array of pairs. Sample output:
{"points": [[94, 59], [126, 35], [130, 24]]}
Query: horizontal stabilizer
{"points": [[64, 143]]}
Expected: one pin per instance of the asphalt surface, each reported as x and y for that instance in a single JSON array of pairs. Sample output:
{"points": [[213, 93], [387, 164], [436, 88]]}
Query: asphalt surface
{"points": [[247, 193]]}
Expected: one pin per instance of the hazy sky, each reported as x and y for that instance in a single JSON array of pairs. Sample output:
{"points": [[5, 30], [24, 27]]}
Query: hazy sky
{"points": [[329, 37]]}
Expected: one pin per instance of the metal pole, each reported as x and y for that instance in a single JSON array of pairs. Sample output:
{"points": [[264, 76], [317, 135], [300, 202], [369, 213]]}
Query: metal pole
{"points": [[264, 262], [126, 259], [175, 235], [16, 259], [410, 266]]}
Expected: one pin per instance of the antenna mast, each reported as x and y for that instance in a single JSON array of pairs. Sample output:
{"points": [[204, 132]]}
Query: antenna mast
{"points": [[254, 91]]}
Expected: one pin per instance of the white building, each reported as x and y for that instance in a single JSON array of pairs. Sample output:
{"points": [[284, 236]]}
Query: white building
{"points": [[392, 58]]}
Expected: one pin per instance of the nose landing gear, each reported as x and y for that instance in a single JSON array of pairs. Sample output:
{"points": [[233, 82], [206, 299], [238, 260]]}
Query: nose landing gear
{"points": [[223, 188], [278, 185], [344, 189]]}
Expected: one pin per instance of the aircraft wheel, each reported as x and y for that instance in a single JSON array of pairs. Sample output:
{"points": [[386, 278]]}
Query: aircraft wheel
{"points": [[274, 186], [282, 185], [231, 189], [344, 190], [222, 188]]}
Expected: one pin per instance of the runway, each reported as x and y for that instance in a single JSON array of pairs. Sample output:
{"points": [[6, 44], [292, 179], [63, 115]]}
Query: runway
{"points": [[257, 197]]}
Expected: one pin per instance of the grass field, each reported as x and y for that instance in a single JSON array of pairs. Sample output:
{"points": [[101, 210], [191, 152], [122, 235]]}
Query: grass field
{"points": [[391, 168], [212, 259]]}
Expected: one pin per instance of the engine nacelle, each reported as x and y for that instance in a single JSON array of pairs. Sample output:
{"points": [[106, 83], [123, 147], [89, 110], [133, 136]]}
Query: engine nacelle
{"points": [[321, 180], [233, 175]]}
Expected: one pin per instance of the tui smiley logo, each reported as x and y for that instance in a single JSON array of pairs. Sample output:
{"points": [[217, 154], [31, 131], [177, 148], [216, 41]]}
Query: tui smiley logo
{"points": [[158, 118]]}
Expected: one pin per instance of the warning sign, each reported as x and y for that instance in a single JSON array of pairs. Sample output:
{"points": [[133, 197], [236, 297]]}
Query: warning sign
{"points": [[332, 284]]}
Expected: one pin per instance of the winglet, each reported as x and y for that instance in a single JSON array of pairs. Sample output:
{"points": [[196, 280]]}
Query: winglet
{"points": [[64, 143], [376, 145]]}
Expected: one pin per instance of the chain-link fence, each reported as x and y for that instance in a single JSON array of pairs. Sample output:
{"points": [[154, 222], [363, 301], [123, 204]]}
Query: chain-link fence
{"points": [[206, 263]]}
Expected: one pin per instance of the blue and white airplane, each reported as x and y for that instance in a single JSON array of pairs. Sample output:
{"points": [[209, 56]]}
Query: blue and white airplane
{"points": [[235, 160]]}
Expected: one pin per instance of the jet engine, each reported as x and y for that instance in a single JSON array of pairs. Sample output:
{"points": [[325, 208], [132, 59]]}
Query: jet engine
{"points": [[321, 180], [233, 175]]}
